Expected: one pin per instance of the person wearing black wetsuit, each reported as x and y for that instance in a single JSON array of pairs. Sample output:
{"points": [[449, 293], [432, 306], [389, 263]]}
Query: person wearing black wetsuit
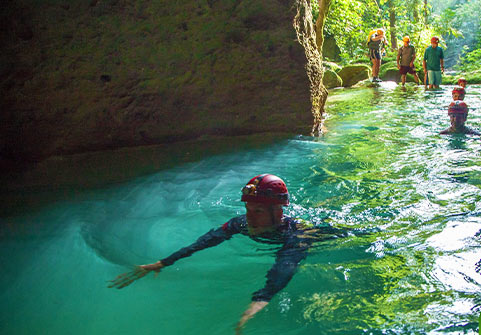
{"points": [[458, 113], [264, 221]]}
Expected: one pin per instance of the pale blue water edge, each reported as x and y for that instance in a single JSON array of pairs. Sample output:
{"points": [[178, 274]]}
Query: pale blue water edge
{"points": [[382, 165]]}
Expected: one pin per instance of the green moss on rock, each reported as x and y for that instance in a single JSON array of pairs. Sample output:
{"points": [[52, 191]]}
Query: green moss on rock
{"points": [[331, 79], [352, 74]]}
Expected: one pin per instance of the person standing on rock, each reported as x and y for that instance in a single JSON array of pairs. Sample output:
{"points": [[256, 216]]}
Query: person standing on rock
{"points": [[405, 60], [376, 42], [433, 63]]}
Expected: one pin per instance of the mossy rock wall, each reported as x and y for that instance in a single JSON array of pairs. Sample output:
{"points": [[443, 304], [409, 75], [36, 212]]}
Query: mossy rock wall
{"points": [[85, 75]]}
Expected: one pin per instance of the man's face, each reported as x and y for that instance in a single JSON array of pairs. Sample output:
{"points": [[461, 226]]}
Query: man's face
{"points": [[406, 43], [260, 219], [434, 44], [456, 95], [458, 120]]}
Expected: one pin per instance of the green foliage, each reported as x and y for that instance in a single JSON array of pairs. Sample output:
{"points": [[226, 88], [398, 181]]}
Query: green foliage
{"points": [[444, 24], [471, 60], [350, 21], [458, 23]]}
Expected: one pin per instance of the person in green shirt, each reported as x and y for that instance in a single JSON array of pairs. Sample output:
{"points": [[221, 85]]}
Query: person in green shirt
{"points": [[433, 63]]}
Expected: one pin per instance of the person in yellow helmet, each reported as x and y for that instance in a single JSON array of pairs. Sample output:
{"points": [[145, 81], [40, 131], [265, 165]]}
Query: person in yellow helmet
{"points": [[376, 42], [405, 60]]}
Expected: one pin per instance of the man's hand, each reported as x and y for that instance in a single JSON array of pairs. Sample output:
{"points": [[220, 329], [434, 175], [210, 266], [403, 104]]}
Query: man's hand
{"points": [[254, 307], [125, 279]]}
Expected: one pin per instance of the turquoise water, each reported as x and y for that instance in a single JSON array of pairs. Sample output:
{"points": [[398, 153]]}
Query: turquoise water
{"points": [[381, 165]]}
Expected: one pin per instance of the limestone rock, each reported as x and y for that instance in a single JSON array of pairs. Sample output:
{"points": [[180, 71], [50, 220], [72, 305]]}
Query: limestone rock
{"points": [[331, 79], [351, 74], [390, 74], [110, 74]]}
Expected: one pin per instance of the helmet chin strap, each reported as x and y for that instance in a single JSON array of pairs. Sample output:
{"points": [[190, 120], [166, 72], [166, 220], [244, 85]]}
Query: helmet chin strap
{"points": [[273, 219]]}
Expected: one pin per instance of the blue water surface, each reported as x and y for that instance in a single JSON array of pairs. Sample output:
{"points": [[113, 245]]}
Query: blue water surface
{"points": [[382, 168]]}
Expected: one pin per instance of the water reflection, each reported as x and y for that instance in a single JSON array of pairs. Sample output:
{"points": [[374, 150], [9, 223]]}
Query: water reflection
{"points": [[457, 141]]}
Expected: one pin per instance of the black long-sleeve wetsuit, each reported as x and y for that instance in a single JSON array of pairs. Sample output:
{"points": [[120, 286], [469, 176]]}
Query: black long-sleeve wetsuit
{"points": [[292, 234]]}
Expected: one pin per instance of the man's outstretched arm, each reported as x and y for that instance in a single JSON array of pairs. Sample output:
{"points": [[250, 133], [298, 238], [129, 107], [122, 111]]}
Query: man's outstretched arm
{"points": [[210, 239], [287, 261]]}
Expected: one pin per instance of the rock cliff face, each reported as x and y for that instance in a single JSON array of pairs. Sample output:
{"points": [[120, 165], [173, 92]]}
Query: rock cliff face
{"points": [[85, 75]]}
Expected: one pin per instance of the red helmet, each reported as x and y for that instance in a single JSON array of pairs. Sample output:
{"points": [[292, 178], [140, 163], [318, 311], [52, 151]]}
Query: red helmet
{"points": [[458, 107], [266, 189], [460, 91], [434, 39], [462, 80]]}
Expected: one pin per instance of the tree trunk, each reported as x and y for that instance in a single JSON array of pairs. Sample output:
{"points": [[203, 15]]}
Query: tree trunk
{"points": [[324, 6], [415, 13], [392, 25], [306, 35], [425, 12]]}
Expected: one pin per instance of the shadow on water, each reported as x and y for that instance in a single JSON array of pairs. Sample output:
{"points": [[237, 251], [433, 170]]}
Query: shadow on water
{"points": [[70, 177]]}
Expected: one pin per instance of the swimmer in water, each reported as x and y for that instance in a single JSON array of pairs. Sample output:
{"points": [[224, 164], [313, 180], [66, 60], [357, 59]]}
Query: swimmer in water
{"points": [[458, 93], [264, 221], [458, 113], [462, 82]]}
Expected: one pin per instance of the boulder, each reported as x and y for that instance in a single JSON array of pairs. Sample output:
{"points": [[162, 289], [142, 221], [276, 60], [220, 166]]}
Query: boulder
{"points": [[332, 66], [390, 74], [366, 83], [331, 79], [387, 65], [330, 50], [352, 74], [472, 78], [449, 80]]}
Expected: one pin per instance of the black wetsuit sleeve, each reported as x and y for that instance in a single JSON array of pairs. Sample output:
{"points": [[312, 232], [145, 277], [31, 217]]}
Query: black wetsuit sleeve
{"points": [[210, 239], [287, 261]]}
